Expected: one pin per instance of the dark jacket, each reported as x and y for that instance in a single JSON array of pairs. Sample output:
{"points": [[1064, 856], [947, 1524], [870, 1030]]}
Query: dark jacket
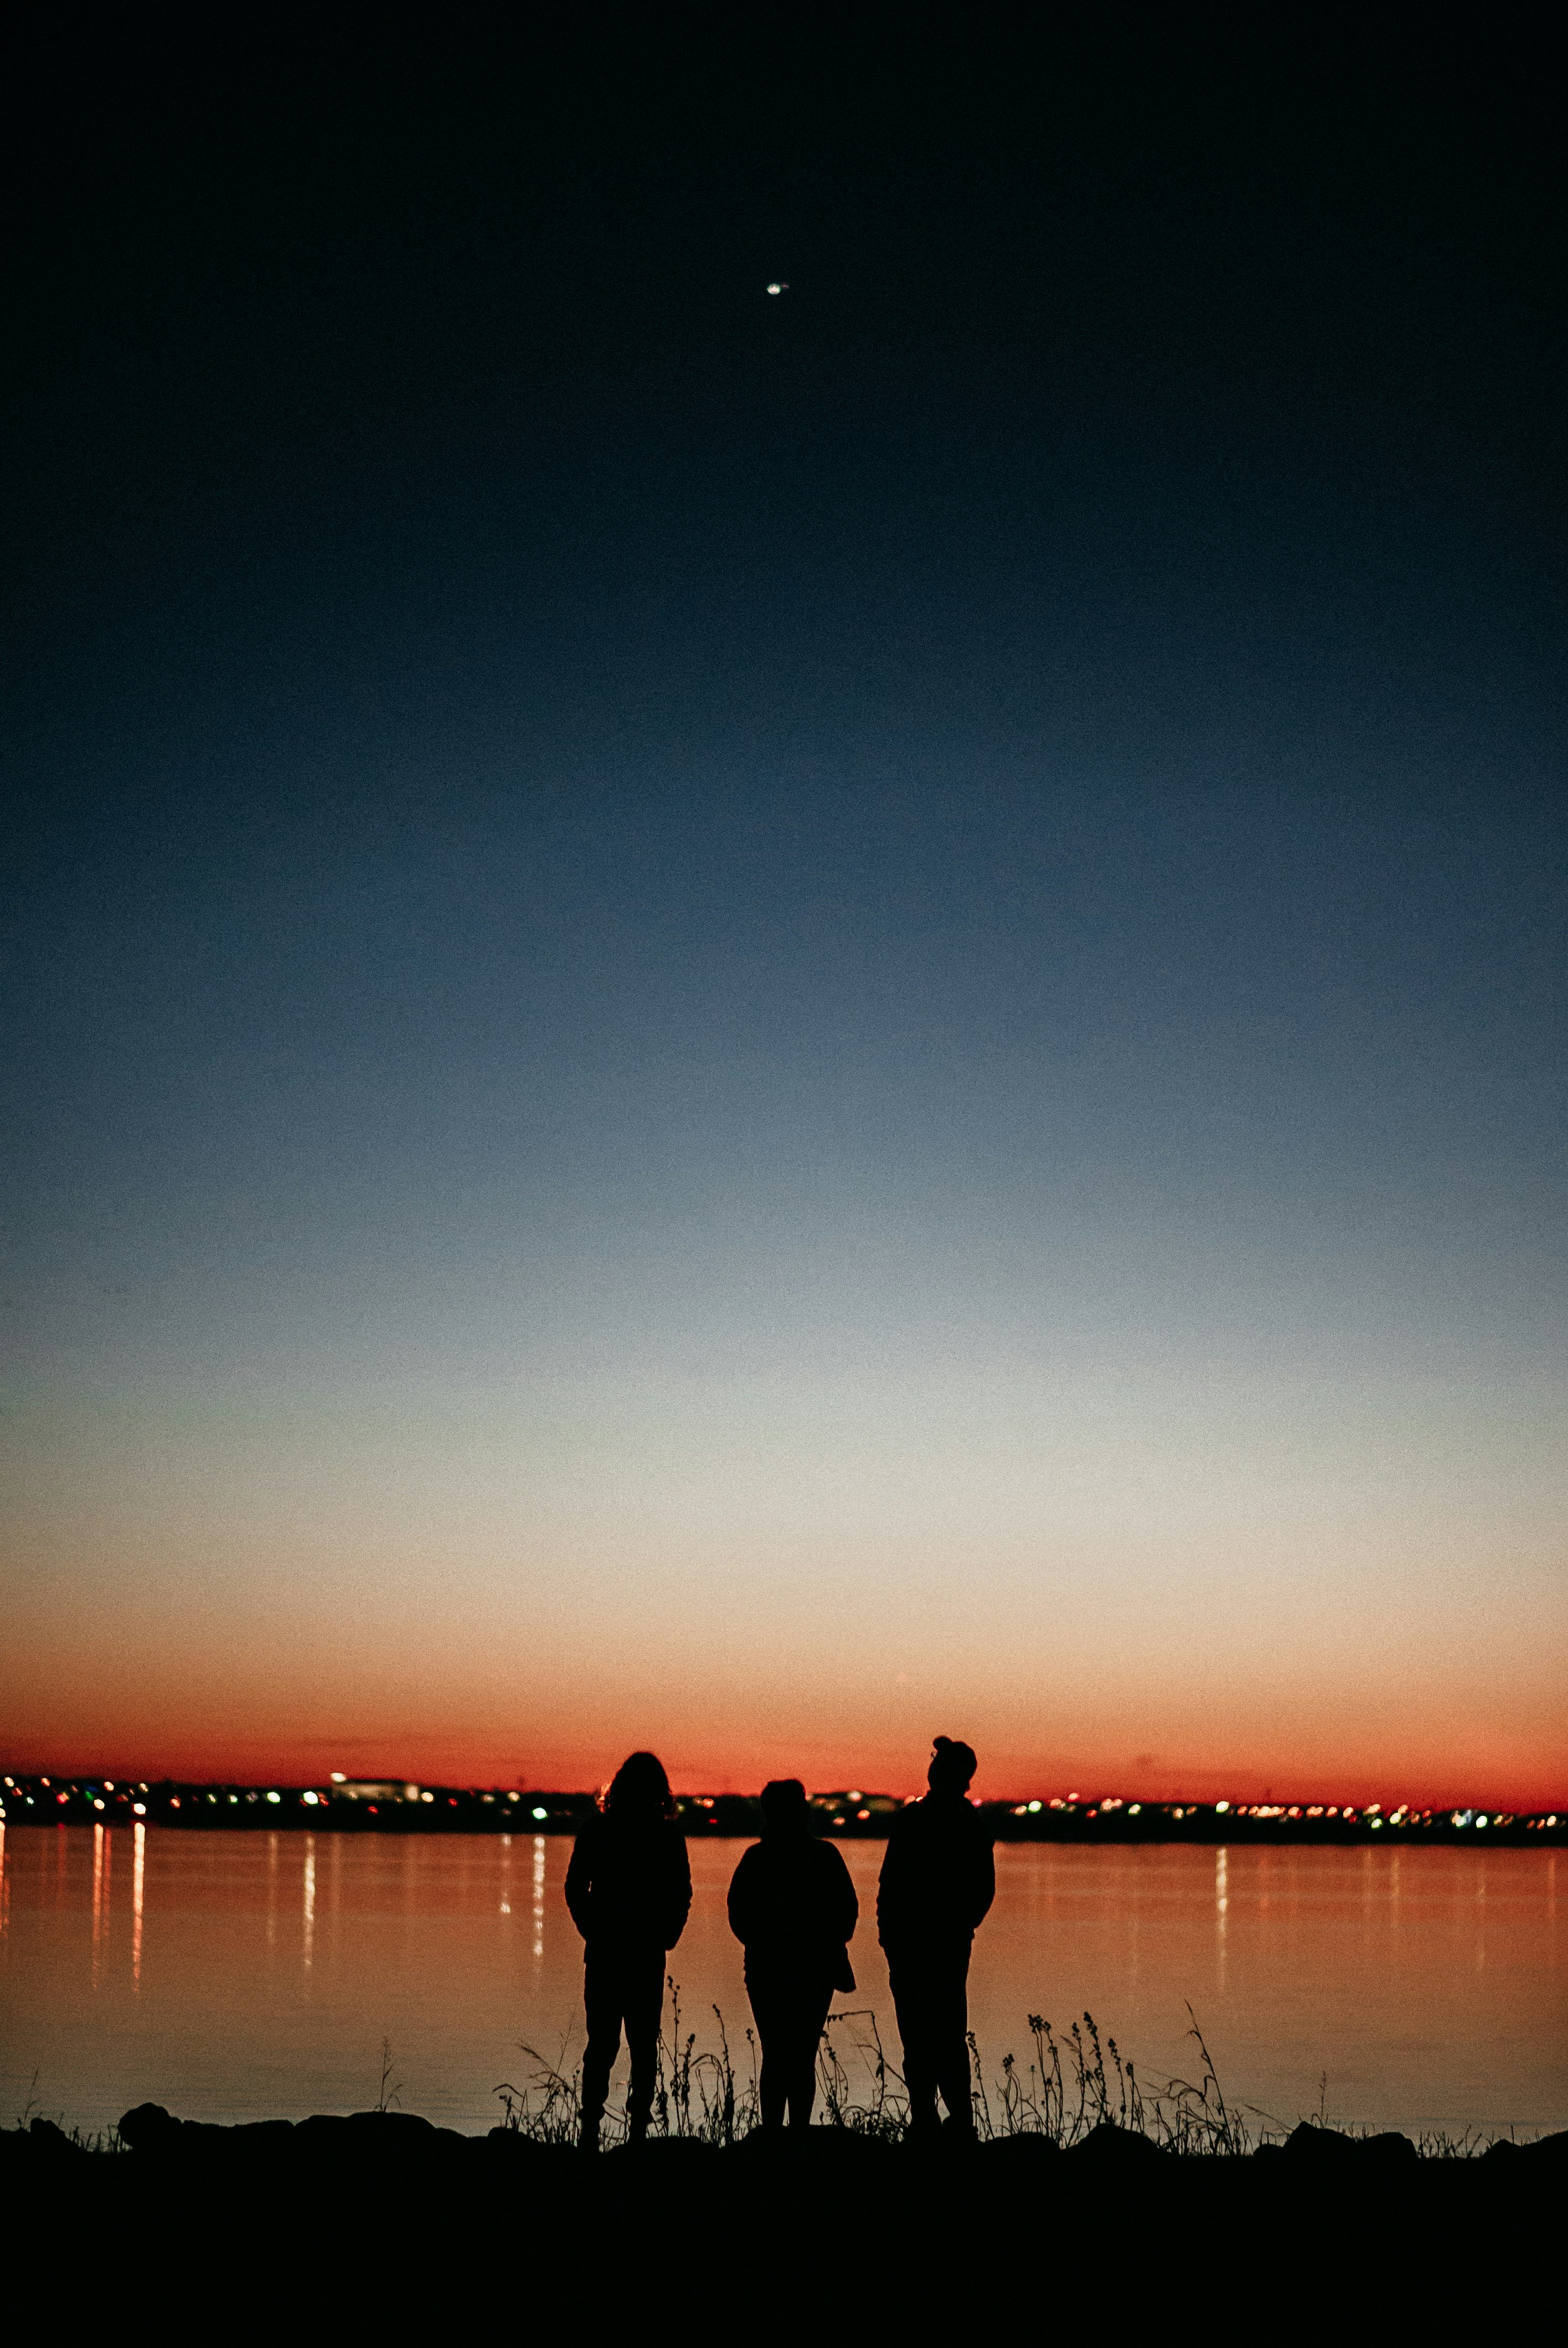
{"points": [[938, 1878], [628, 1885], [793, 1906]]}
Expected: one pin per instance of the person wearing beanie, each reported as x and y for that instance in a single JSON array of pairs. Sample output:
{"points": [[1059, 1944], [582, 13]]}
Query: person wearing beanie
{"points": [[938, 1879]]}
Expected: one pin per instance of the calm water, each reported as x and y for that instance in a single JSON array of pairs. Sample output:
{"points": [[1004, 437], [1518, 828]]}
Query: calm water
{"points": [[236, 1975]]}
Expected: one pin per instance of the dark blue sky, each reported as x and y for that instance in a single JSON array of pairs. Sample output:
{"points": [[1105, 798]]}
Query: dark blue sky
{"points": [[962, 866]]}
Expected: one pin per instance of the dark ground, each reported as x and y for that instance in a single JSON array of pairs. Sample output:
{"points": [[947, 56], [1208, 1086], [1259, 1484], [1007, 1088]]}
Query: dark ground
{"points": [[339, 2226]]}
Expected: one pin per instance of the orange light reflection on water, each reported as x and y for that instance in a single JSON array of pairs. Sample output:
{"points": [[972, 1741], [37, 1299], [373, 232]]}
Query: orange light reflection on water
{"points": [[138, 1881], [100, 1892]]}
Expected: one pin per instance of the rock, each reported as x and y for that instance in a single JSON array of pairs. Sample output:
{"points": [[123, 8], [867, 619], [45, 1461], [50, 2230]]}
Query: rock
{"points": [[1108, 2143], [1544, 2152], [147, 2127], [1326, 2148]]}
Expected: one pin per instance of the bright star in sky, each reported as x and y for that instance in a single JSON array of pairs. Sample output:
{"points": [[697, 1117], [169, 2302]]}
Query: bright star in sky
{"points": [[783, 288]]}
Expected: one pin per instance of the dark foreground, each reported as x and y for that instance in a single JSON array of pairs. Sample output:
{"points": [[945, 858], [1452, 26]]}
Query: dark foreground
{"points": [[337, 2225]]}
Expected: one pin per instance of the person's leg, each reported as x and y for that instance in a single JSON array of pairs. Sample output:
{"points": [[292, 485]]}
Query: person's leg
{"points": [[644, 2003], [951, 2021], [806, 2025], [773, 2036], [910, 2005], [602, 1998]]}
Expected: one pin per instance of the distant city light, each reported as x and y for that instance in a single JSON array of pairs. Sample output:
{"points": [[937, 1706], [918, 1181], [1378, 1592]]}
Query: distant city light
{"points": [[1399, 1822]]}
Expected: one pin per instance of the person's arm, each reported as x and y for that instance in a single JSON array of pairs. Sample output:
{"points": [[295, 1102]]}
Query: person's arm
{"points": [[983, 1873], [742, 1903], [678, 1889], [892, 1884], [579, 1879], [843, 1903]]}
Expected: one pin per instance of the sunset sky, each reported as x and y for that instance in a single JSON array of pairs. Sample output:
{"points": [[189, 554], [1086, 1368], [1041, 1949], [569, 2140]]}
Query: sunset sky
{"points": [[761, 1024]]}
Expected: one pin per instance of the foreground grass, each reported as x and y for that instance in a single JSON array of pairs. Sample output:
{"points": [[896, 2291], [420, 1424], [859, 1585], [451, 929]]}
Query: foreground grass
{"points": [[1075, 2091], [1071, 2087]]}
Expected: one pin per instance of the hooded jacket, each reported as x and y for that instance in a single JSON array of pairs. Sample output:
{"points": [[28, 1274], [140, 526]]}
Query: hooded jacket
{"points": [[793, 1907], [628, 1885]]}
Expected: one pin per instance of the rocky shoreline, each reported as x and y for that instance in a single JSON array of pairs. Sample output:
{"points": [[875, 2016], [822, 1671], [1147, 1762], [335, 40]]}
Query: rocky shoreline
{"points": [[369, 2214]]}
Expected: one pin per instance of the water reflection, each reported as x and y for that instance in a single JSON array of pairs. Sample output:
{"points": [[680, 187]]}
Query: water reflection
{"points": [[1481, 1918], [310, 1900], [506, 1875], [1297, 1963], [139, 1869], [100, 1893]]}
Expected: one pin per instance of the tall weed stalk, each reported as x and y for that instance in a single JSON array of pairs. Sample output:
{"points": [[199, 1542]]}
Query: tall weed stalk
{"points": [[1068, 2088]]}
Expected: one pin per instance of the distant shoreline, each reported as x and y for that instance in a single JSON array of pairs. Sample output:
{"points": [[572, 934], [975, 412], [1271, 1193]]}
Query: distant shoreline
{"points": [[364, 1806]]}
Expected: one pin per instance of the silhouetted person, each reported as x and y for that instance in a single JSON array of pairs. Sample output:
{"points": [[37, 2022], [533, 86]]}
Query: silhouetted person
{"points": [[793, 1905], [938, 1878], [629, 1887]]}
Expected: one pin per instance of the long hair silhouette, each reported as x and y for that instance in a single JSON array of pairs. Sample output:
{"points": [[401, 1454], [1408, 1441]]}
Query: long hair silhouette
{"points": [[629, 1889], [639, 1790]]}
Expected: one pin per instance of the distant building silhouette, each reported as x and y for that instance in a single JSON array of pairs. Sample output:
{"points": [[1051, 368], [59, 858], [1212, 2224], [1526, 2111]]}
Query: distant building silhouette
{"points": [[629, 1887], [938, 1879], [793, 1907]]}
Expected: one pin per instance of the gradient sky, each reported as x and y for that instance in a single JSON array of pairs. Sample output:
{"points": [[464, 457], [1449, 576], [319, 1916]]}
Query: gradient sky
{"points": [[761, 1024]]}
